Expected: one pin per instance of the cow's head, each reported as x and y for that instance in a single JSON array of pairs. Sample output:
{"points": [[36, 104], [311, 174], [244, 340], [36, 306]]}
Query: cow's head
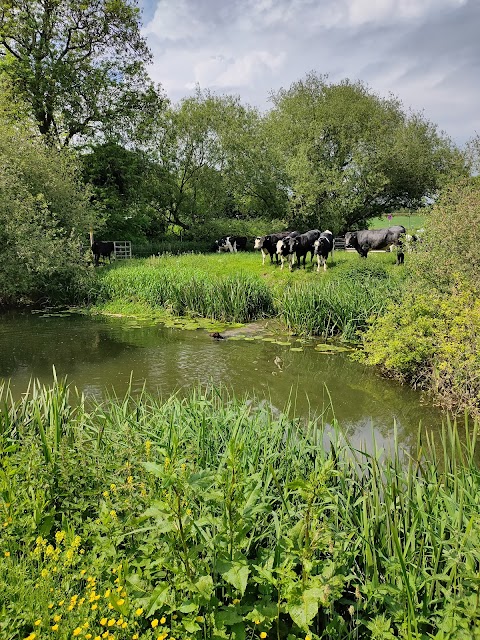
{"points": [[258, 242], [351, 239], [282, 247]]}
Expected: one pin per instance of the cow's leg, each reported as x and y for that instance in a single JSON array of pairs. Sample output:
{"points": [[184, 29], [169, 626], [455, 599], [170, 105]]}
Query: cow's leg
{"points": [[318, 263], [400, 256], [363, 250], [325, 262], [264, 256], [235, 247]]}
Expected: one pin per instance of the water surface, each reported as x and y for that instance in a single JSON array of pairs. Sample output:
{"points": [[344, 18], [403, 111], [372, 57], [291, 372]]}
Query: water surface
{"points": [[100, 354]]}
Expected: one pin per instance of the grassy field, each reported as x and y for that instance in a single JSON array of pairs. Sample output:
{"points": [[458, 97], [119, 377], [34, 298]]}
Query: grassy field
{"points": [[206, 518], [411, 222], [238, 288]]}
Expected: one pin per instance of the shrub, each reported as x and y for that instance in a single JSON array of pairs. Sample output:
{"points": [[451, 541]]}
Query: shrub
{"points": [[433, 342]]}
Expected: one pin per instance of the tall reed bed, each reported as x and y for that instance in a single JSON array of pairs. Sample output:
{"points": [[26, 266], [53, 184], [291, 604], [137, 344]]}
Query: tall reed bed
{"points": [[239, 289], [186, 290], [337, 307], [212, 517]]}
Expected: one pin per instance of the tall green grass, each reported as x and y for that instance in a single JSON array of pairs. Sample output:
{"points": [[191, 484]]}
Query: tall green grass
{"points": [[222, 518], [185, 290], [239, 288]]}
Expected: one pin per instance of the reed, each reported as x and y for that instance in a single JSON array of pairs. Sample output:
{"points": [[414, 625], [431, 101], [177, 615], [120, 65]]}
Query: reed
{"points": [[239, 289], [221, 517]]}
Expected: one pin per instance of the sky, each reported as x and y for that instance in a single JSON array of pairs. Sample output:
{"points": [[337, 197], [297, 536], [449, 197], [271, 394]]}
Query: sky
{"points": [[424, 52]]}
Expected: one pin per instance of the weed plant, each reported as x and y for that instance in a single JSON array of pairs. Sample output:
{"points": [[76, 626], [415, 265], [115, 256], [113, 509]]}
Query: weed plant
{"points": [[211, 517]]}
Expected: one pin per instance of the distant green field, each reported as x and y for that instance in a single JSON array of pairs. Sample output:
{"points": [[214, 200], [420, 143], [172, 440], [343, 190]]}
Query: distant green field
{"points": [[411, 223]]}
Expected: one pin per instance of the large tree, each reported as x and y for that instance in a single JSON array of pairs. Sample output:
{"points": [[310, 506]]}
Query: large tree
{"points": [[351, 155], [212, 160], [80, 66]]}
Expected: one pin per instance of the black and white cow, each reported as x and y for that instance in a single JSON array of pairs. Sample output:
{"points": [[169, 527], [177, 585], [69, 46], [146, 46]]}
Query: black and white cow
{"points": [[268, 244], [304, 243], [366, 239], [322, 247], [102, 249], [231, 243], [285, 249]]}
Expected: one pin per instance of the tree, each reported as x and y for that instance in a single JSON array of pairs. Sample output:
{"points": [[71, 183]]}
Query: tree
{"points": [[80, 66], [351, 155], [211, 160], [45, 213]]}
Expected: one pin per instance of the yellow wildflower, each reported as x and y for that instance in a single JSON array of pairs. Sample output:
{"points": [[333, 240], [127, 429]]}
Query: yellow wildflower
{"points": [[263, 634], [77, 631], [88, 636], [199, 618], [130, 479], [236, 601], [113, 513], [103, 621], [107, 593], [124, 625], [7, 554], [38, 622], [154, 623], [94, 606], [60, 536], [50, 605], [111, 622], [139, 612], [54, 627], [113, 487], [308, 637], [57, 618], [105, 494], [163, 620], [120, 602]]}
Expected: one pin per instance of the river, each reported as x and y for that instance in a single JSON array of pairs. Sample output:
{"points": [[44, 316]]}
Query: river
{"points": [[100, 355]]}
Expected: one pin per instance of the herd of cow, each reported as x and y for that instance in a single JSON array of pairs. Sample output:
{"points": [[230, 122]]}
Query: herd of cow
{"points": [[287, 246]]}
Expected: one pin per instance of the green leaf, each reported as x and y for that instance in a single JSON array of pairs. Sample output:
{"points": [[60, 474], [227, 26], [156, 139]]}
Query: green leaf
{"points": [[302, 610], [235, 573], [158, 598], [205, 586], [227, 617]]}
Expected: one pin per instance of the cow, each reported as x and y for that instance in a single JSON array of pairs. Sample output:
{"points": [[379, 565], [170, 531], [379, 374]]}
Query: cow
{"points": [[322, 247], [285, 249], [366, 239], [268, 244], [102, 249], [231, 243], [302, 244]]}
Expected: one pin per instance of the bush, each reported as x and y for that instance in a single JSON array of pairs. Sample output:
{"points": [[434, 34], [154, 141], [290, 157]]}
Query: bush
{"points": [[44, 210], [433, 342]]}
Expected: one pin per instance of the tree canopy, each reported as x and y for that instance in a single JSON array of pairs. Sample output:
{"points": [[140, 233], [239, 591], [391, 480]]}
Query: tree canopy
{"points": [[79, 66], [351, 155]]}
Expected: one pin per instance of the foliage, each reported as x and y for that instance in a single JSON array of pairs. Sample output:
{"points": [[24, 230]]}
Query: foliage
{"points": [[433, 342], [340, 306], [44, 211], [209, 517], [79, 66], [160, 283], [235, 287], [449, 252], [209, 160], [351, 155]]}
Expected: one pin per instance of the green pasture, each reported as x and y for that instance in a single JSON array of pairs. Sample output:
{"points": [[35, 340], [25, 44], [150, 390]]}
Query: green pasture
{"points": [[411, 222]]}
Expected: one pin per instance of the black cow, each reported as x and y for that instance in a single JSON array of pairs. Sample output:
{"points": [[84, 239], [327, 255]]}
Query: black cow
{"points": [[285, 249], [102, 249], [322, 247], [268, 244], [367, 239], [231, 243], [302, 244]]}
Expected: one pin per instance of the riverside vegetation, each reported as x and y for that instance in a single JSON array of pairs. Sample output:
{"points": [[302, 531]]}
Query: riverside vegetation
{"points": [[208, 517]]}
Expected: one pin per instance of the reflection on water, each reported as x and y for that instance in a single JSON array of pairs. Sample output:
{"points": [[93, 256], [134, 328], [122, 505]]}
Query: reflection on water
{"points": [[103, 354]]}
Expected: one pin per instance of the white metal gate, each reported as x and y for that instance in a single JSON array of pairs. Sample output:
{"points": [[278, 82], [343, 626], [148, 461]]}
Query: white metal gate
{"points": [[122, 249]]}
